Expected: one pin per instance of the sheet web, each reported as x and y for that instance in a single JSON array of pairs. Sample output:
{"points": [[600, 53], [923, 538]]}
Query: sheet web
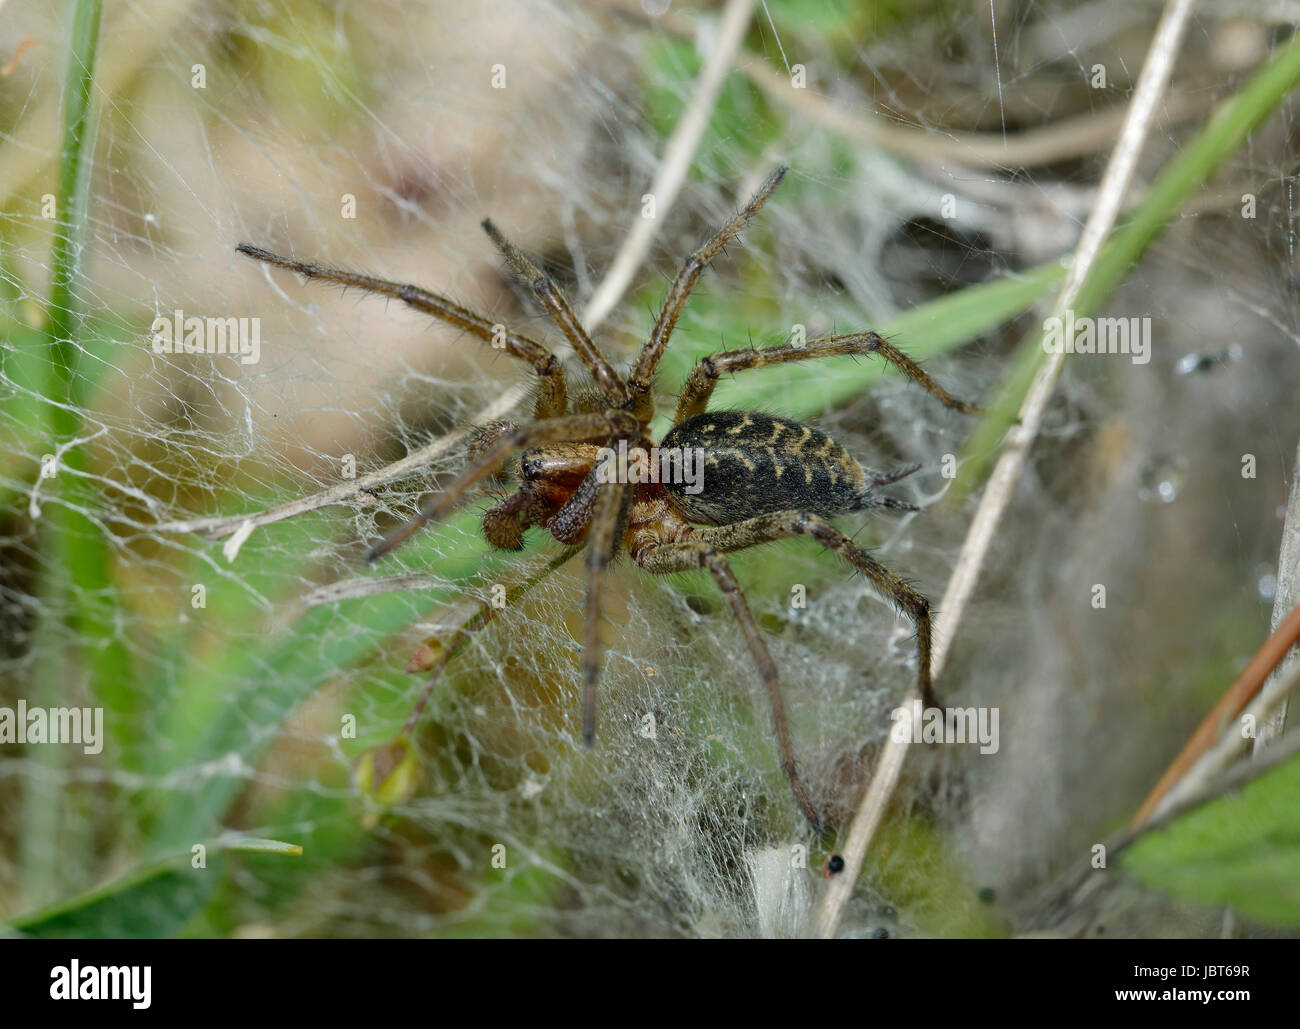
{"points": [[242, 687]]}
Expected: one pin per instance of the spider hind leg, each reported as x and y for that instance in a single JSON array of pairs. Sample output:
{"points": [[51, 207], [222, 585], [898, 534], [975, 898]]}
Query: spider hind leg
{"points": [[666, 558]]}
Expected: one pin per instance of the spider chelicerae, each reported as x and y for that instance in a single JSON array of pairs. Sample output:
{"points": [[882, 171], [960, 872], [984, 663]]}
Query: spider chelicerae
{"points": [[764, 477]]}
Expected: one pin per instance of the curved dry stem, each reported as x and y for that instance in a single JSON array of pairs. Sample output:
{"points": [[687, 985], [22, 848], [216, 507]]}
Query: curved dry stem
{"points": [[1063, 140]]}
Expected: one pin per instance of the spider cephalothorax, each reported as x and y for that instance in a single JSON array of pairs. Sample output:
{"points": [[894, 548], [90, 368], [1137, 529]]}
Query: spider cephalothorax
{"points": [[742, 477]]}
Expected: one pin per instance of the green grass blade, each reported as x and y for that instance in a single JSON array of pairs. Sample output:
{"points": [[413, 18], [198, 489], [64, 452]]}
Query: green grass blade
{"points": [[75, 582]]}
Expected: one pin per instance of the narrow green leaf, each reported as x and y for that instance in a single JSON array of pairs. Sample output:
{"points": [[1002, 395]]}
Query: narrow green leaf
{"points": [[1241, 850]]}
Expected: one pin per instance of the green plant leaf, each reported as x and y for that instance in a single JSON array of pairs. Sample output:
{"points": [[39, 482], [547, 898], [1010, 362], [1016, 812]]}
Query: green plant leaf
{"points": [[154, 900], [1241, 850]]}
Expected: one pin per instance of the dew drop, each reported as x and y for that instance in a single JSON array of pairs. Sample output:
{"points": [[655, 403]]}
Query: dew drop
{"points": [[1162, 479], [1207, 360]]}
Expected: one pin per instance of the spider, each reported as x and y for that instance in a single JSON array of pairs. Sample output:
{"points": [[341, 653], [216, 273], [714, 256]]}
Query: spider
{"points": [[764, 477]]}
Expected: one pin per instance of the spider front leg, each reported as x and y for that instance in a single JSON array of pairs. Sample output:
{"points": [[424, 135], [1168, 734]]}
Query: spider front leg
{"points": [[699, 386], [665, 558], [552, 399], [784, 524], [572, 428], [647, 364], [562, 314]]}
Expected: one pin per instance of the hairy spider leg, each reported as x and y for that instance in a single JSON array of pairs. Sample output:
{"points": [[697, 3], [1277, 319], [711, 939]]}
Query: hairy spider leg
{"points": [[704, 377], [703, 549], [783, 524], [643, 375], [666, 558], [552, 398], [550, 297]]}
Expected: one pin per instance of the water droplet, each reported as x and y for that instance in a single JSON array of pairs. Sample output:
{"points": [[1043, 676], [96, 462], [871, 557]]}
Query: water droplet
{"points": [[1207, 360], [1163, 478]]}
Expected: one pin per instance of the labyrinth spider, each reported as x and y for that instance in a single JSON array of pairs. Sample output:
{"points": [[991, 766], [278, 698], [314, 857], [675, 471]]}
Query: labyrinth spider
{"points": [[764, 477]]}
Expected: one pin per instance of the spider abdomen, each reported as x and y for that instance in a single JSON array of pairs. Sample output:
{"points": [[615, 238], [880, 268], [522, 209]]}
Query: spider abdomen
{"points": [[755, 463]]}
